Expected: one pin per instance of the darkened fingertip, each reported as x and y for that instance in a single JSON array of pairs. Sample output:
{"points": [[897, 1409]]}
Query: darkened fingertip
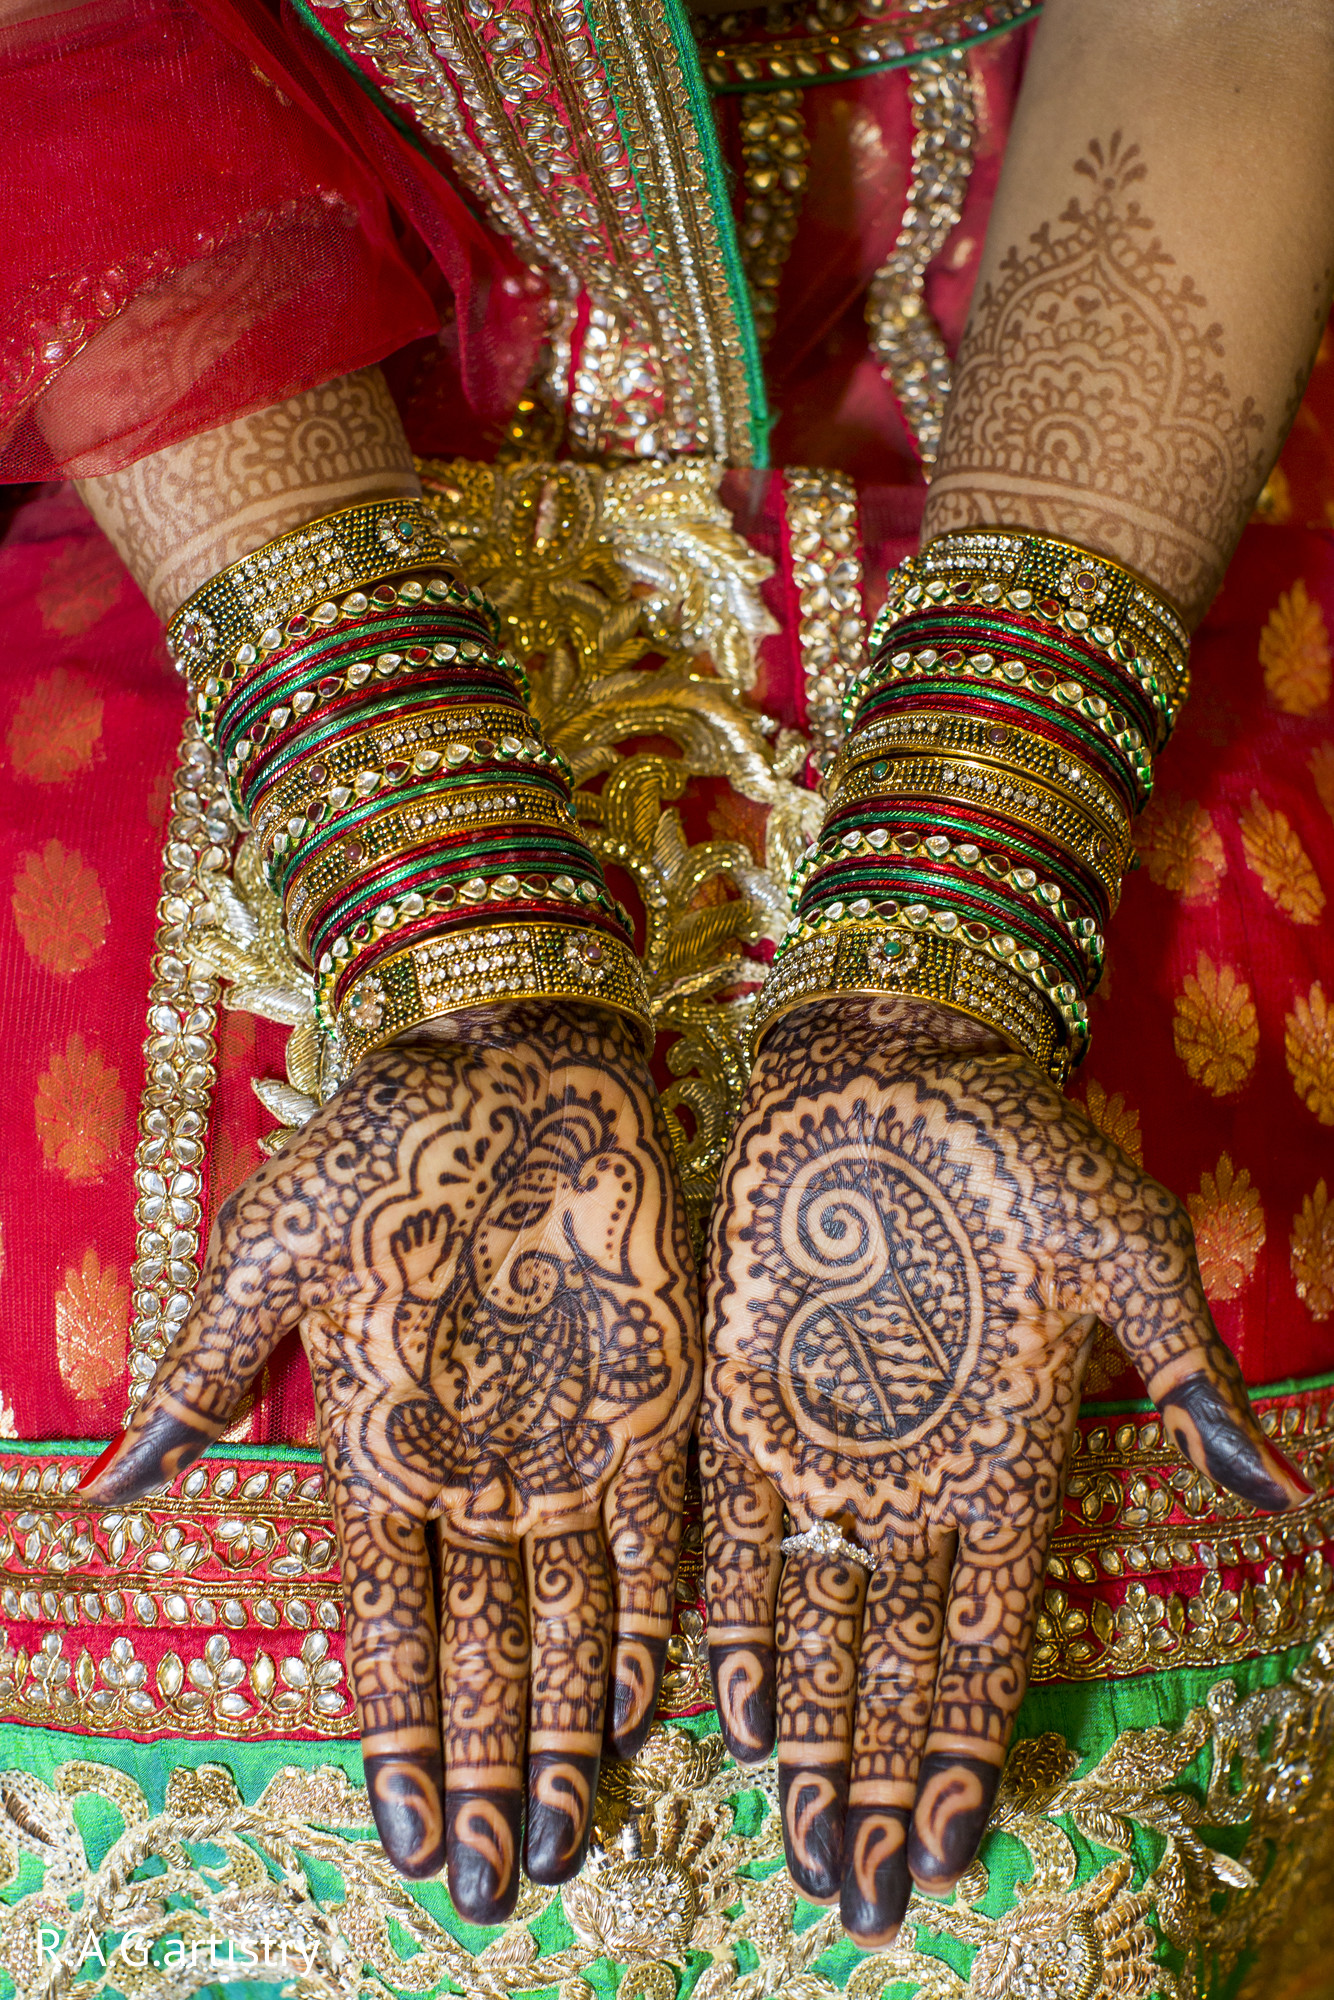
{"points": [[954, 1796], [407, 1803], [812, 1804], [560, 1815], [876, 1882], [482, 1845], [164, 1449], [637, 1670], [745, 1694], [1195, 1410]]}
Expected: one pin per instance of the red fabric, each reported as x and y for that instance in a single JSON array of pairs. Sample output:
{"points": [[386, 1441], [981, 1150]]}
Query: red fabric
{"points": [[206, 231]]}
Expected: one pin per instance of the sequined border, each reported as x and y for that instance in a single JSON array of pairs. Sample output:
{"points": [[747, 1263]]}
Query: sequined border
{"points": [[819, 43], [825, 554]]}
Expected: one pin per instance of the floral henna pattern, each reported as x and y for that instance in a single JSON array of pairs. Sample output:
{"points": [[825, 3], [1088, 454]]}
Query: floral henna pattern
{"points": [[486, 1253], [913, 1242]]}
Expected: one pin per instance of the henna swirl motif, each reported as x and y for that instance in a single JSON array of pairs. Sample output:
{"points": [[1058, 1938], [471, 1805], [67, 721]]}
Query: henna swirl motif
{"points": [[913, 1242], [485, 1250]]}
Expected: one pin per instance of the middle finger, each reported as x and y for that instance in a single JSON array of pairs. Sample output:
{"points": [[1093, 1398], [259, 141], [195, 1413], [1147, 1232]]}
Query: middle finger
{"points": [[484, 1695], [569, 1588], [819, 1635]]}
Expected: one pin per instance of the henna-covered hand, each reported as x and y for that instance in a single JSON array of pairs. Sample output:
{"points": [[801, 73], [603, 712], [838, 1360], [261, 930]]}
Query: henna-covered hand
{"points": [[915, 1237], [485, 1250]]}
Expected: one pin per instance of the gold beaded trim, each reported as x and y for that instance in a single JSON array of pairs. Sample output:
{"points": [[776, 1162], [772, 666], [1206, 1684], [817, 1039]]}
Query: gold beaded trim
{"points": [[980, 781], [930, 730], [350, 547], [1104, 604], [487, 967], [870, 957], [401, 828]]}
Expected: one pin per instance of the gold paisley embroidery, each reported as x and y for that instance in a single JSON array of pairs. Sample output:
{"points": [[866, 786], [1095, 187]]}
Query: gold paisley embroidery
{"points": [[1215, 1027], [1294, 652], [80, 1110], [1115, 1118], [1321, 766], [1181, 847], [92, 1327], [56, 728], [80, 586], [1309, 1046], [1313, 1252], [59, 909], [1229, 1228], [1277, 856]]}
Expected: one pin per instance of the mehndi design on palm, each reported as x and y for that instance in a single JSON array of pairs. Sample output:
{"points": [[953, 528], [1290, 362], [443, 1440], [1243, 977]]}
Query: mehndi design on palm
{"points": [[486, 1253], [913, 1244]]}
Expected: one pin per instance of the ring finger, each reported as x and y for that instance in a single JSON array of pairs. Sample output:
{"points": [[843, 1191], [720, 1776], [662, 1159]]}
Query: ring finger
{"points": [[484, 1697], [569, 1589], [819, 1634]]}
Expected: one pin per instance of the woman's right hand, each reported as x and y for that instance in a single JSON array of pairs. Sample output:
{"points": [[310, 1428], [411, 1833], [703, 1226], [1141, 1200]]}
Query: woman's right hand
{"points": [[485, 1250]]}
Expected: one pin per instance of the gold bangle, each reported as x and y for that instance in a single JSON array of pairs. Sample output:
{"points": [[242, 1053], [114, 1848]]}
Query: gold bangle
{"points": [[1058, 584], [297, 571], [420, 739], [870, 958], [925, 730], [1001, 788], [487, 967], [401, 828]]}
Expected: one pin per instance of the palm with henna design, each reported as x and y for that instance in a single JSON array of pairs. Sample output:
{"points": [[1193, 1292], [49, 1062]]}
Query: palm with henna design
{"points": [[485, 1251], [915, 1238]]}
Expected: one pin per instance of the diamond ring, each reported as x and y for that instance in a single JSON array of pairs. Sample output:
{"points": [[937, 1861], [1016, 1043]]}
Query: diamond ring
{"points": [[826, 1538]]}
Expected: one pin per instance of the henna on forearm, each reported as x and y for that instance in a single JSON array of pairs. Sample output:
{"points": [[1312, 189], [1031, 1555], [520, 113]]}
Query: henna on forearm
{"points": [[179, 516], [486, 1251], [912, 1247], [1149, 301]]}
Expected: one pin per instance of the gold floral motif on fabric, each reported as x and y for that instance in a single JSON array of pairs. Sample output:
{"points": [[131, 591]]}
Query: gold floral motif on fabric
{"points": [[685, 1880]]}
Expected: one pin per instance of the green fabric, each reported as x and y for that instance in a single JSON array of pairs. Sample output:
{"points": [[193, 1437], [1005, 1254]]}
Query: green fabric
{"points": [[1090, 1718]]}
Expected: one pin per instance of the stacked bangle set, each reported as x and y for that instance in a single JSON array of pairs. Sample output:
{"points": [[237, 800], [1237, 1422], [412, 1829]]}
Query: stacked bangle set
{"points": [[420, 834], [1000, 742]]}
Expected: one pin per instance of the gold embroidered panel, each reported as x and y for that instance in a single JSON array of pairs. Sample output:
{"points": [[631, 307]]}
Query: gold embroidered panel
{"points": [[1235, 1799], [818, 41]]}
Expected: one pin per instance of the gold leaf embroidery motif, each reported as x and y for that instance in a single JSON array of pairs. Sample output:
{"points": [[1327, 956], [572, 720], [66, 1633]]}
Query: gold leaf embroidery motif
{"points": [[1107, 1360], [1215, 1027], [1115, 1119], [56, 728], [1181, 847], [1309, 1045], [1313, 1252], [1294, 652], [80, 586], [1229, 1224], [1275, 852], [1322, 770], [92, 1328], [59, 909], [80, 1110]]}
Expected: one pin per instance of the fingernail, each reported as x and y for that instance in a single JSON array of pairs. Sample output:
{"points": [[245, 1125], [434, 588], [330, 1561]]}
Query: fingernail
{"points": [[636, 1677], [1195, 1411], [405, 1795], [812, 1804], [744, 1694], [103, 1458], [482, 1841], [954, 1797], [560, 1815], [876, 1882]]}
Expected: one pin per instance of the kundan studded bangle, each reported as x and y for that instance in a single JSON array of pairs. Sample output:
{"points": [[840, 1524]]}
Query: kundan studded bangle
{"points": [[1000, 741], [418, 831]]}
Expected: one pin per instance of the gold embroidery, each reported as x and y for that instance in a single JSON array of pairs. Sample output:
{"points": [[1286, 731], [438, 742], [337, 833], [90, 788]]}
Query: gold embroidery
{"points": [[1215, 1027], [79, 1110], [8, 1428], [1231, 1806], [59, 909], [1276, 854], [1107, 1360], [1313, 1252], [1229, 1228], [80, 584], [1309, 1045], [1294, 652], [1274, 505], [56, 728], [1114, 1117], [1321, 766], [774, 165], [831, 618], [1181, 847], [91, 1312], [904, 337], [817, 40]]}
